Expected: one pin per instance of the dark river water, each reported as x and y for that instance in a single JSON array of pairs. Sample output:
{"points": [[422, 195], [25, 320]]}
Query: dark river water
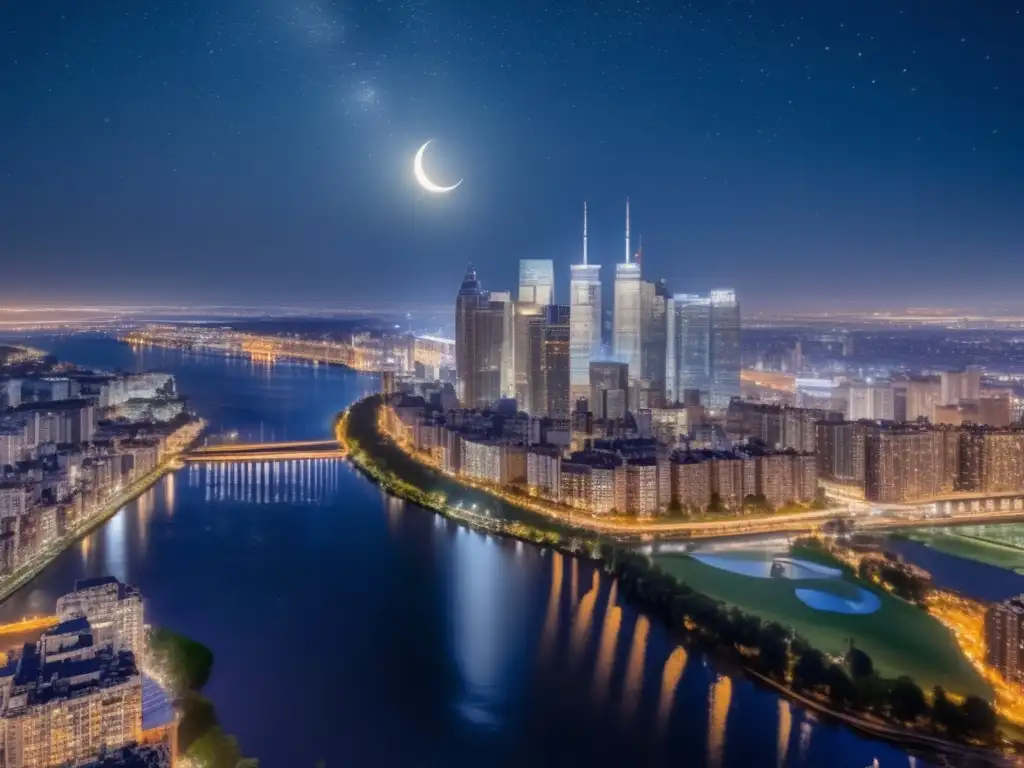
{"points": [[363, 631]]}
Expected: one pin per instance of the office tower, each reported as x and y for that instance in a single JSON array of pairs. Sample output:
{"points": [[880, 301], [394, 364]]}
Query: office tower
{"points": [[584, 320], [870, 400], [555, 361], [492, 363], [688, 362], [725, 348], [626, 320], [470, 298], [527, 316], [113, 610], [654, 300], [609, 384], [1004, 638], [537, 281]]}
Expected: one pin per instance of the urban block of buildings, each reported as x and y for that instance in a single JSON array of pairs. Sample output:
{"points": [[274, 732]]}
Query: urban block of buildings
{"points": [[75, 697]]}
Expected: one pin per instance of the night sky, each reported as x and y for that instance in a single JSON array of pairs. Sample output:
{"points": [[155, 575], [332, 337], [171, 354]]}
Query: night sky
{"points": [[260, 151]]}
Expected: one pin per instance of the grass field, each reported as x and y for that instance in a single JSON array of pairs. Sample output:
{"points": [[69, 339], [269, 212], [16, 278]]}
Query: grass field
{"points": [[900, 638], [998, 545]]}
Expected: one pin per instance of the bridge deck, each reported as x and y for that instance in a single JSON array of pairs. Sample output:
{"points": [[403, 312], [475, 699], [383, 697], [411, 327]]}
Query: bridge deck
{"points": [[296, 449]]}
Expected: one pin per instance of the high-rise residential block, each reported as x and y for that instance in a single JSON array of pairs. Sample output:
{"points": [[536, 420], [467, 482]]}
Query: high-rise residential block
{"points": [[113, 610], [1004, 638]]}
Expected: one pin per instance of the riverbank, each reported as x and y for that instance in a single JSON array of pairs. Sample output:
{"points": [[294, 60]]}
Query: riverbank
{"points": [[766, 650], [19, 578]]}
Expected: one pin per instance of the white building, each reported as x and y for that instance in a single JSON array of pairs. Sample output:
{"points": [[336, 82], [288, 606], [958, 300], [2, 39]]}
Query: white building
{"points": [[113, 610], [584, 321], [626, 320]]}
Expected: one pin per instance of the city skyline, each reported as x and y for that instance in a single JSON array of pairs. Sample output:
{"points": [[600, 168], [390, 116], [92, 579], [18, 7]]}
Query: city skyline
{"points": [[263, 154]]}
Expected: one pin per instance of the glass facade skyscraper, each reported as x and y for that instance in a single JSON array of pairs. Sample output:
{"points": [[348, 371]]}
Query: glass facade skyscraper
{"points": [[537, 281], [704, 347], [584, 321], [725, 348], [688, 364], [626, 346]]}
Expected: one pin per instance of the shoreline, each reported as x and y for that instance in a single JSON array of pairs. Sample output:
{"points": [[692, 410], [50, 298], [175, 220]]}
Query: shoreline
{"points": [[897, 734], [24, 575], [203, 351]]}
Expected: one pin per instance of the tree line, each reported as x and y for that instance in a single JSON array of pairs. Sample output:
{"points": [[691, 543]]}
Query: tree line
{"points": [[778, 653]]}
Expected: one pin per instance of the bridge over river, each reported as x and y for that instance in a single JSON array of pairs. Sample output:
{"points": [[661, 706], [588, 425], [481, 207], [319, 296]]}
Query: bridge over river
{"points": [[280, 451]]}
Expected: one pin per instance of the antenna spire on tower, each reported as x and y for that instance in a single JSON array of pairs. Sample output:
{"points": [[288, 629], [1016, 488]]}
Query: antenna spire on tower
{"points": [[627, 230], [584, 231]]}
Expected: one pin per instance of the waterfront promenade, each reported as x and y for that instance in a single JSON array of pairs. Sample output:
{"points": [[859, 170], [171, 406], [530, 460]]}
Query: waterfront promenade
{"points": [[177, 445]]}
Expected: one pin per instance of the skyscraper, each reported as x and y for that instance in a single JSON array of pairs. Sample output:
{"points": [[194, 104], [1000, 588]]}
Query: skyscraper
{"points": [[626, 320], [491, 360], [725, 348], [471, 296], [537, 281], [584, 320], [654, 335], [527, 315], [688, 363], [555, 361]]}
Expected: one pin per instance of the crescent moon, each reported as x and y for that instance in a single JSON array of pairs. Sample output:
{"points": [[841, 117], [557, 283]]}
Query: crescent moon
{"points": [[423, 179]]}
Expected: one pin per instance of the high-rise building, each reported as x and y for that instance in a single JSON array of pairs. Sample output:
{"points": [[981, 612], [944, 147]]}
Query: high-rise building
{"points": [[688, 363], [626, 322], [113, 610], [555, 361], [67, 700], [492, 362], [871, 400], [960, 385], [906, 463], [725, 348], [584, 320], [470, 298], [528, 317], [537, 281], [920, 396], [1004, 638], [654, 300], [609, 385]]}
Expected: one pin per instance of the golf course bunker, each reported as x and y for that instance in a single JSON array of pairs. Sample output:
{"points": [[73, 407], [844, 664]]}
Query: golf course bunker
{"points": [[761, 567], [819, 600]]}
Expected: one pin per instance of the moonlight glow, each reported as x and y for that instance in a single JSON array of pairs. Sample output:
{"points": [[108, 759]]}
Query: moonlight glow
{"points": [[423, 179]]}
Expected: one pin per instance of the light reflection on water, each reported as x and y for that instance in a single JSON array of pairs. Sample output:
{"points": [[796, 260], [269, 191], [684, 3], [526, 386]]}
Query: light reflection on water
{"points": [[379, 619]]}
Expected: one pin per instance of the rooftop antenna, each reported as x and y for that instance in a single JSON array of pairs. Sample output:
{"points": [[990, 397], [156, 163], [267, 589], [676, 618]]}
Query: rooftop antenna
{"points": [[627, 230], [584, 232]]}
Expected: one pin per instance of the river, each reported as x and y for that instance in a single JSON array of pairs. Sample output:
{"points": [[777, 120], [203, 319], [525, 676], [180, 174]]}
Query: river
{"points": [[354, 628]]}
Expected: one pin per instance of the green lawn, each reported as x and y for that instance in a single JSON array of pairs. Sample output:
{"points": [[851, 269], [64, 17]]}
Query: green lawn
{"points": [[996, 545], [900, 638]]}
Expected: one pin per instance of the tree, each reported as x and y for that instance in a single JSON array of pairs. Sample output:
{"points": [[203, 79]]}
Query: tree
{"points": [[841, 690], [946, 716], [907, 701], [809, 672], [979, 719], [860, 663]]}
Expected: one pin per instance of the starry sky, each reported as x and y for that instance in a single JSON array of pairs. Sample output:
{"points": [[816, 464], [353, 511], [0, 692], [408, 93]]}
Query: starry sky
{"points": [[810, 154]]}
